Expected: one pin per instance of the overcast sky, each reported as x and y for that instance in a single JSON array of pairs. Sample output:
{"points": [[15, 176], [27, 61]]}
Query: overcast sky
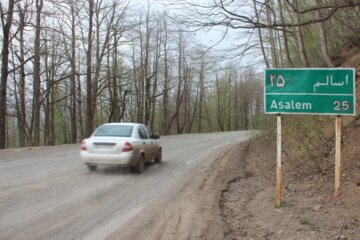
{"points": [[210, 37]]}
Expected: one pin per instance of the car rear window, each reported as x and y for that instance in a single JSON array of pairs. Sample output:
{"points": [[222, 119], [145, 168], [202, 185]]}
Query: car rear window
{"points": [[114, 131]]}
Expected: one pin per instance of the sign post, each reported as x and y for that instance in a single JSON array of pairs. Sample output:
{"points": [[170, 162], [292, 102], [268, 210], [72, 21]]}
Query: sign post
{"points": [[278, 162], [338, 156], [318, 91]]}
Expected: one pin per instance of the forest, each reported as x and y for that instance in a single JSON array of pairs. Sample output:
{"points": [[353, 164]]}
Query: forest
{"points": [[68, 66]]}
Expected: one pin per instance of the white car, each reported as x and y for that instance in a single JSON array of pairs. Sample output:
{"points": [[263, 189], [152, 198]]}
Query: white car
{"points": [[122, 144]]}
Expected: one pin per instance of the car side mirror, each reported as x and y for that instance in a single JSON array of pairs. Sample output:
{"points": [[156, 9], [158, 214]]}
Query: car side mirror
{"points": [[155, 136]]}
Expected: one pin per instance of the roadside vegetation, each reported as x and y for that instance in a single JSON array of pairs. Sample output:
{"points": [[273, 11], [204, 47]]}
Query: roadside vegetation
{"points": [[68, 66]]}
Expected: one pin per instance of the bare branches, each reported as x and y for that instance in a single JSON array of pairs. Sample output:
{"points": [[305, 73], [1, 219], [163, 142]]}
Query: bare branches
{"points": [[99, 60], [242, 16]]}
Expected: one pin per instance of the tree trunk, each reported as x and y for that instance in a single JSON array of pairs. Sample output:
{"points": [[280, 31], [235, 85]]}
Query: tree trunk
{"points": [[24, 138], [202, 95], [271, 35], [267, 64], [146, 72], [180, 46], [236, 102], [36, 84], [166, 84], [140, 81], [89, 84], [219, 114], [73, 77], [323, 42], [4, 70], [299, 37], [50, 73], [228, 105], [285, 36], [47, 104], [115, 107], [79, 101]]}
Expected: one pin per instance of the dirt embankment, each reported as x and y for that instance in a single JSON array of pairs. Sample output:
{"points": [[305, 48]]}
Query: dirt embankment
{"points": [[309, 209], [234, 199]]}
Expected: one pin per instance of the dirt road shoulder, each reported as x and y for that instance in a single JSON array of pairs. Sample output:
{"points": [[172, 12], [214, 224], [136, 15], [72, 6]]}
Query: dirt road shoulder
{"points": [[194, 211]]}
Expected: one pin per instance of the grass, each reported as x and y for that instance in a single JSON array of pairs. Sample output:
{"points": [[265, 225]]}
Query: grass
{"points": [[290, 203], [306, 222], [303, 210]]}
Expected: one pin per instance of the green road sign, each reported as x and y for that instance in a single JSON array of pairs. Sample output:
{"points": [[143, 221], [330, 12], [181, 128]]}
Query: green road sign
{"points": [[325, 91]]}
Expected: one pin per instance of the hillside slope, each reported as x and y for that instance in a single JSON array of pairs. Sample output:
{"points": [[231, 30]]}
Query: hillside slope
{"points": [[309, 209]]}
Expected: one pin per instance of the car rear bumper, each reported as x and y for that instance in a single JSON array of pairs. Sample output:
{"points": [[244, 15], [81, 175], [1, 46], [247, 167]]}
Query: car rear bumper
{"points": [[108, 159]]}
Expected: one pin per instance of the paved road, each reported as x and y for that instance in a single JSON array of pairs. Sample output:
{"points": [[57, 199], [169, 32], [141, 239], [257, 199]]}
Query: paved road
{"points": [[47, 193]]}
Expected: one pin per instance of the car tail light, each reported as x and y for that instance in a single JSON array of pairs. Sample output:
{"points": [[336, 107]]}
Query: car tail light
{"points": [[83, 146], [127, 147]]}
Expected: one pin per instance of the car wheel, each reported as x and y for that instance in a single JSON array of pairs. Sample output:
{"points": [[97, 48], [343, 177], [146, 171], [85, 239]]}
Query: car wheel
{"points": [[158, 159], [92, 167], [140, 166]]}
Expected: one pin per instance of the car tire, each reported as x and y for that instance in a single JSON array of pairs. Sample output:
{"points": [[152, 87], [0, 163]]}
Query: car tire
{"points": [[140, 166], [92, 167], [158, 159]]}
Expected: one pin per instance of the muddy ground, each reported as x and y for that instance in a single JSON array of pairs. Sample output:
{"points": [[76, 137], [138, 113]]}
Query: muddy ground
{"points": [[234, 199]]}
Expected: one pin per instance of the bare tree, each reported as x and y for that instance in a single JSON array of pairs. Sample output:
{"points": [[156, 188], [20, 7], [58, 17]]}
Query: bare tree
{"points": [[270, 22], [236, 15], [323, 42], [166, 81], [285, 34], [23, 127], [260, 36], [202, 94], [89, 82], [73, 114], [54, 88], [299, 37], [35, 126], [6, 22]]}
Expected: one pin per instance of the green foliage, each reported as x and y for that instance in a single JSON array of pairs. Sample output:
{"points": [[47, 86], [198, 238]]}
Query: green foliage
{"points": [[288, 204], [267, 126], [306, 222], [304, 137], [341, 29], [229, 98]]}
